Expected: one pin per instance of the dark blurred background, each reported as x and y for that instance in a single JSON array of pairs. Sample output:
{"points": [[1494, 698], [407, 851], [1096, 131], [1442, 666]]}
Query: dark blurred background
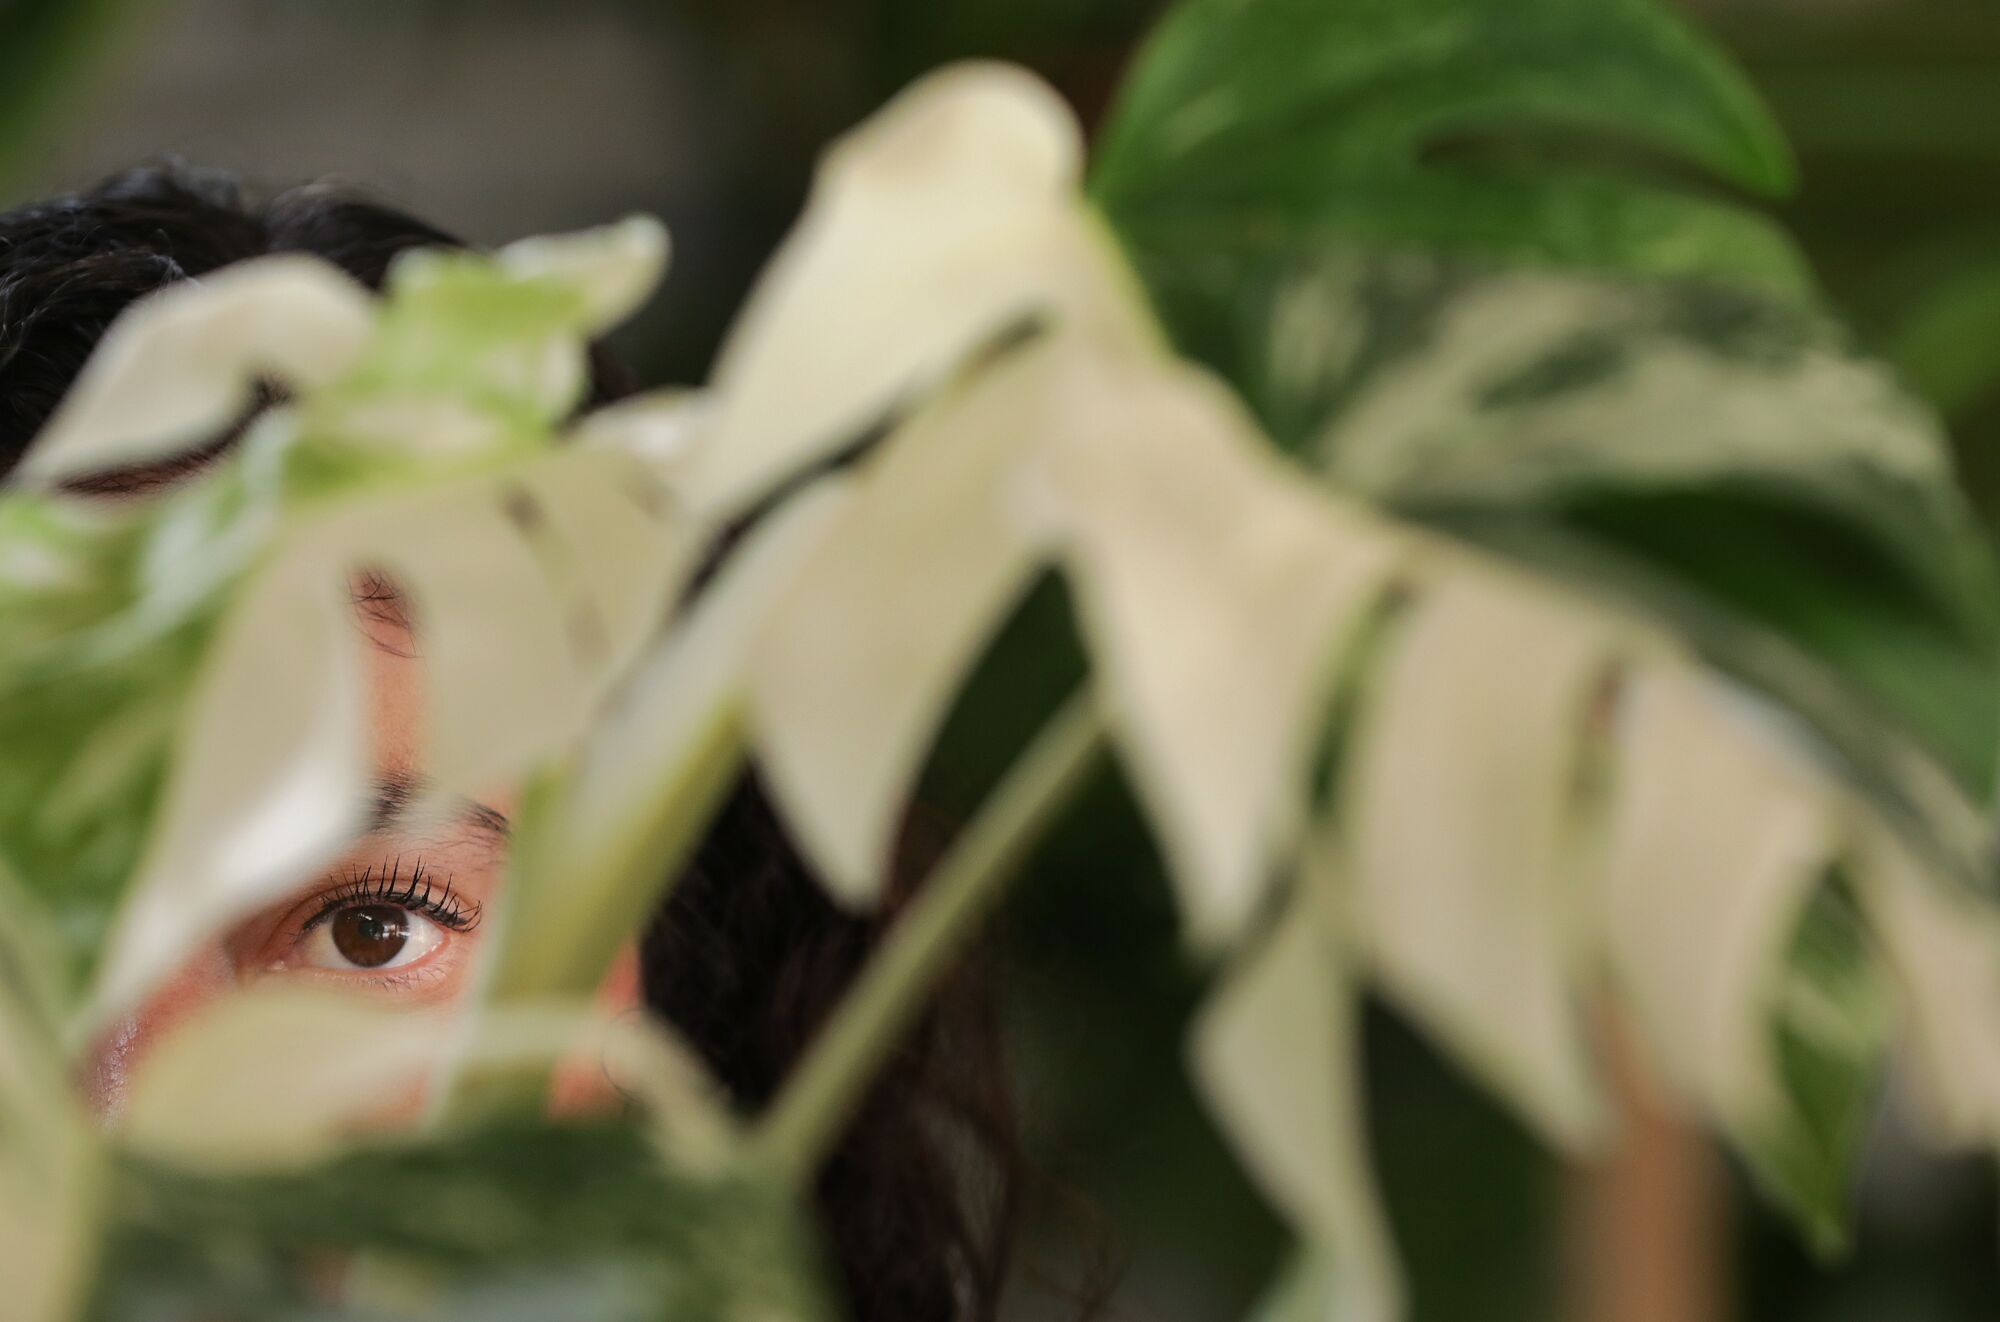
{"points": [[498, 118]]}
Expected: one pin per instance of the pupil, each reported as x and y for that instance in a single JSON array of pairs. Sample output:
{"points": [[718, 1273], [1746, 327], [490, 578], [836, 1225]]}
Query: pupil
{"points": [[369, 936]]}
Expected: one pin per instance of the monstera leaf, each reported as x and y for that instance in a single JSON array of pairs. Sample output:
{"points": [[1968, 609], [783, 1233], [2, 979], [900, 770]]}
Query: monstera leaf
{"points": [[520, 1222], [1273, 164], [1539, 777], [1391, 622], [181, 689]]}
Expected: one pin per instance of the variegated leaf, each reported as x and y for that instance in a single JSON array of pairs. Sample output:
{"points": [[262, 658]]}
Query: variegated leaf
{"points": [[949, 218], [281, 1078], [1457, 799], [1942, 947], [613, 269], [645, 780], [1717, 834], [871, 643], [1276, 1055], [269, 778], [1216, 589], [182, 364]]}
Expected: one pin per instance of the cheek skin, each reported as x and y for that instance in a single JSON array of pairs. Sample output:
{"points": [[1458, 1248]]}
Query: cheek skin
{"points": [[397, 738], [114, 1060]]}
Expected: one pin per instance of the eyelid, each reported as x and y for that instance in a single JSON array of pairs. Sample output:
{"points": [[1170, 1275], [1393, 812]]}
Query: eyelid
{"points": [[416, 890]]}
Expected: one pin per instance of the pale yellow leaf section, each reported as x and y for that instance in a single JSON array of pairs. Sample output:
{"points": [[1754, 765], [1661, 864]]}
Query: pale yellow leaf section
{"points": [[871, 643], [1718, 834], [1276, 1055], [944, 220], [1216, 588], [51, 1182], [1942, 947], [1456, 803], [269, 778], [666, 734], [615, 268], [275, 1078], [181, 364], [532, 592]]}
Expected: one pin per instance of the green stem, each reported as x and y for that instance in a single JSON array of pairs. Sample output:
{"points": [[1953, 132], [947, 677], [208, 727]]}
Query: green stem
{"points": [[823, 1092], [568, 913]]}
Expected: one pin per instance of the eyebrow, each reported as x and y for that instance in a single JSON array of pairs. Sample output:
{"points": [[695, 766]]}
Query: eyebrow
{"points": [[396, 792]]}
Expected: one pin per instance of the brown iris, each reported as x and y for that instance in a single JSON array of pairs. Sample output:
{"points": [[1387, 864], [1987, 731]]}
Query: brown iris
{"points": [[370, 935]]}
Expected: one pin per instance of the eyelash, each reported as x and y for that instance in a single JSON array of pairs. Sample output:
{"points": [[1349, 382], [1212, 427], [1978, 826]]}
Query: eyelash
{"points": [[418, 893]]}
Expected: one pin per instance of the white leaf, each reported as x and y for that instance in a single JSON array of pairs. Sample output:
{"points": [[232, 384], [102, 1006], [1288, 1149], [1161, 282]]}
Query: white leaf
{"points": [[648, 773], [531, 591], [1442, 423], [614, 267], [873, 641], [51, 1176], [1456, 803], [269, 780], [1216, 588], [181, 364], [275, 1078], [941, 222], [1942, 947], [1718, 834], [1276, 1055]]}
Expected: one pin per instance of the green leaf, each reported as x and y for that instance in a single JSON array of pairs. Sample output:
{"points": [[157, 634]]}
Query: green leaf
{"points": [[1832, 1023], [1733, 444], [1330, 116], [1948, 343], [450, 1228], [1258, 138]]}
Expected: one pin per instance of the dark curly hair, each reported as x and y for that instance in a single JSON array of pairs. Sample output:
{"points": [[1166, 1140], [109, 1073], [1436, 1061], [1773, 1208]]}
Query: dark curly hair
{"points": [[747, 956]]}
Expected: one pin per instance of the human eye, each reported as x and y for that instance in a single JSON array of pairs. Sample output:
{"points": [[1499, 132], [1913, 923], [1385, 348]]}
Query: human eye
{"points": [[397, 920]]}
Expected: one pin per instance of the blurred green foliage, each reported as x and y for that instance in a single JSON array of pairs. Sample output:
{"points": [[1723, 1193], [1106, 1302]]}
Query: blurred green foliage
{"points": [[46, 48], [1894, 113]]}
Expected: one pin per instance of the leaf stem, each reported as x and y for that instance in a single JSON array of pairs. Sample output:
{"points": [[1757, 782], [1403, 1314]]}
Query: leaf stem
{"points": [[823, 1091]]}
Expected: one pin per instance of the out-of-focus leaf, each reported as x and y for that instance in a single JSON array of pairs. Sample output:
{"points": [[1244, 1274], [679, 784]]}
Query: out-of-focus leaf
{"points": [[1717, 834], [944, 221], [592, 862], [1733, 444], [1460, 800], [1268, 155], [278, 1079], [1350, 98], [1942, 949], [1216, 587], [1947, 346], [269, 775], [531, 589], [50, 1160], [184, 363], [452, 1228], [1306, 1290], [1276, 1053], [475, 354], [870, 644], [533, 578], [613, 269], [1832, 1016]]}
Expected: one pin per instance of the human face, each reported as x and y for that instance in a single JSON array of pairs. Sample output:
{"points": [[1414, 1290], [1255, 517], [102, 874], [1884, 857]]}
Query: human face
{"points": [[399, 917]]}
